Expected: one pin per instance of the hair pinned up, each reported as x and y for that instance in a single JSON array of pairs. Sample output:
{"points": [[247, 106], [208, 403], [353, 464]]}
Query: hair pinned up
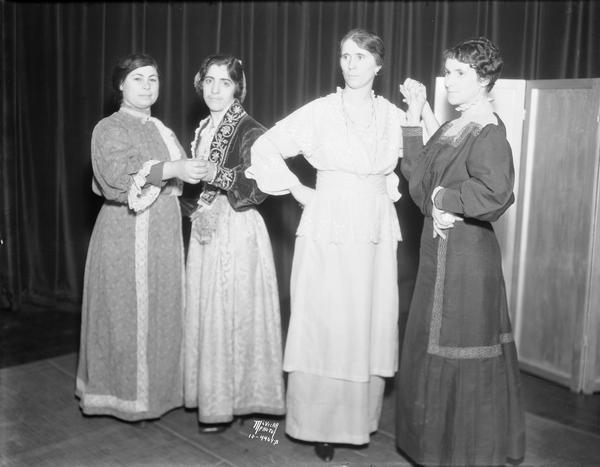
{"points": [[366, 40], [125, 66]]}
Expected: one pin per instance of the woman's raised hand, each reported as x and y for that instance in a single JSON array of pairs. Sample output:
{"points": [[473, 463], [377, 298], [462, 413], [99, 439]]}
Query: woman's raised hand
{"points": [[415, 95]]}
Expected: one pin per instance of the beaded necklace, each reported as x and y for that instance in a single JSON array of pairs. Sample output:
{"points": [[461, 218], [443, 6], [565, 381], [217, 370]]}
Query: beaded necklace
{"points": [[364, 132]]}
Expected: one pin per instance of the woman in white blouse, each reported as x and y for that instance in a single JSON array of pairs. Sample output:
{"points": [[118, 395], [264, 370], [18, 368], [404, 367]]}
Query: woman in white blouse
{"points": [[343, 336]]}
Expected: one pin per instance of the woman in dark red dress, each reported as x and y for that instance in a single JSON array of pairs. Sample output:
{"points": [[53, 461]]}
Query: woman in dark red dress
{"points": [[459, 397]]}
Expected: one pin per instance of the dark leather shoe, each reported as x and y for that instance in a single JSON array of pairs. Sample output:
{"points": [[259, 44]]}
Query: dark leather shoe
{"points": [[206, 428], [324, 451]]}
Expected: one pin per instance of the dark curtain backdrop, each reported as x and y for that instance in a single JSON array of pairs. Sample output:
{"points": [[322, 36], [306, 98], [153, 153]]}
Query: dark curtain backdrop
{"points": [[56, 65]]}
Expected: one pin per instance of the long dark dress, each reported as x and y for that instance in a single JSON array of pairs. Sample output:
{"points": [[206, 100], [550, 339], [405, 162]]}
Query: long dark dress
{"points": [[459, 392]]}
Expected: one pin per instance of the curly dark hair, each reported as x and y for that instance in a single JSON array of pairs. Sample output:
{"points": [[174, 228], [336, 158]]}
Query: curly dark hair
{"points": [[481, 54], [126, 65], [234, 69]]}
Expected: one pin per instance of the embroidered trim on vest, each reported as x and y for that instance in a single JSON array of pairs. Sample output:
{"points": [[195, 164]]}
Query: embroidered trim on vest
{"points": [[221, 142], [224, 178], [219, 147], [435, 327]]}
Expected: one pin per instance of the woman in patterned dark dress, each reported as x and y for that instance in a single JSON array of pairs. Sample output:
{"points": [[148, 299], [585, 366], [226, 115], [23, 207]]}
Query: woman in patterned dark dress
{"points": [[130, 363], [459, 397]]}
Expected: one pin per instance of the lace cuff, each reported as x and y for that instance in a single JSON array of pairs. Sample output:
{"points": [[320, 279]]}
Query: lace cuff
{"points": [[139, 196]]}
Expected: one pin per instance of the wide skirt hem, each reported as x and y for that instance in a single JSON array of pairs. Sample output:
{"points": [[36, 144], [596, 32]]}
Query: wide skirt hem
{"points": [[128, 416], [224, 418], [421, 460], [339, 438]]}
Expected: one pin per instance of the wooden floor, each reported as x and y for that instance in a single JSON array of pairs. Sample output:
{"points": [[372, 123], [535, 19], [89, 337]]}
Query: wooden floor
{"points": [[41, 424]]}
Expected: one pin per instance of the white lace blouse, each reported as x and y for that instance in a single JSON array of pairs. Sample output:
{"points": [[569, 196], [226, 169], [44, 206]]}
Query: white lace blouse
{"points": [[356, 183]]}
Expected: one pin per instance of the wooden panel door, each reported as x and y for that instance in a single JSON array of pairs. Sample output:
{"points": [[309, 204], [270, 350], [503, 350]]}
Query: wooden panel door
{"points": [[556, 300], [508, 100]]}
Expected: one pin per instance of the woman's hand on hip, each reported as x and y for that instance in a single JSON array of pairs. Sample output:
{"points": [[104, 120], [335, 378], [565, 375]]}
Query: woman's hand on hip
{"points": [[302, 194]]}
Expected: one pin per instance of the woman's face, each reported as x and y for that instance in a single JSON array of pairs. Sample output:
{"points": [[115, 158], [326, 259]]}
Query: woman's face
{"points": [[462, 83], [218, 88], [358, 65], [140, 87]]}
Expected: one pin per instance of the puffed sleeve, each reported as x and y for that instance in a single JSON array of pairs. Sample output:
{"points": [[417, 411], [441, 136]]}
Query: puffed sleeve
{"points": [[115, 160], [488, 192], [268, 168], [295, 134], [244, 191], [291, 136]]}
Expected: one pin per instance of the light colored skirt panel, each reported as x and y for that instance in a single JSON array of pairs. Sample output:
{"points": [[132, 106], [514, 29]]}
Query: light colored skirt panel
{"points": [[333, 410], [344, 310], [233, 361], [343, 333]]}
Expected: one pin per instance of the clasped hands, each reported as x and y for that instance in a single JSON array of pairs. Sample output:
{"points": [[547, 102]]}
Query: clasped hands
{"points": [[194, 170], [415, 96]]}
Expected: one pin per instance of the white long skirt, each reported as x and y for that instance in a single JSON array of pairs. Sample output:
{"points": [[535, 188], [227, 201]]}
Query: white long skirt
{"points": [[333, 410], [342, 340], [233, 352]]}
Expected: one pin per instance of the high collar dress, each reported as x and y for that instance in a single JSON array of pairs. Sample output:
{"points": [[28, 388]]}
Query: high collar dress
{"points": [[458, 391]]}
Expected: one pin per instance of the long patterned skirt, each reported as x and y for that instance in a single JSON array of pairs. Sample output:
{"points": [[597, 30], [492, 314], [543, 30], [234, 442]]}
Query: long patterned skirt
{"points": [[130, 359], [233, 352]]}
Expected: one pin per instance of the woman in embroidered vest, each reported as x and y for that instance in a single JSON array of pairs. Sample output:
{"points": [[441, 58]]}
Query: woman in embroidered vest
{"points": [[233, 331], [130, 360], [343, 335], [459, 393]]}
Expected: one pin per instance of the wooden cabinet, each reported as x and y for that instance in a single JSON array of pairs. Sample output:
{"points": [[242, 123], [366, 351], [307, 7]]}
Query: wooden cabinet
{"points": [[550, 238]]}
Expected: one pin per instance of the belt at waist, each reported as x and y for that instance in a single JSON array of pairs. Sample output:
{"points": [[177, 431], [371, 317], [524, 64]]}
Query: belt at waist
{"points": [[344, 181]]}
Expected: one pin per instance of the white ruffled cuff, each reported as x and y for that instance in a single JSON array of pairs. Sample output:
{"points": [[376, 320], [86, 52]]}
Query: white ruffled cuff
{"points": [[140, 195], [272, 175]]}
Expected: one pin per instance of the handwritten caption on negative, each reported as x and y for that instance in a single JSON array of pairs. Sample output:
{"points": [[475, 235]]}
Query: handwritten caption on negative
{"points": [[264, 430]]}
